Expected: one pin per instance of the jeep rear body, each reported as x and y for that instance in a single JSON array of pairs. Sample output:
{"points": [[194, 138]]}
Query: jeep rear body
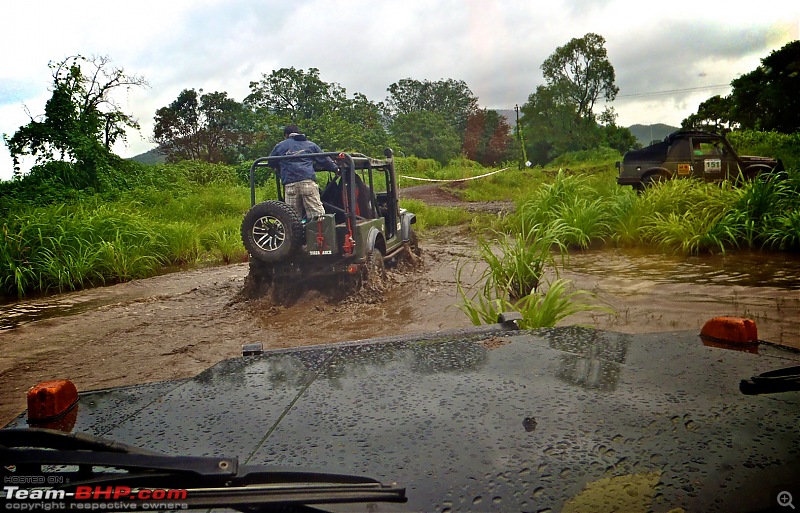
{"points": [[357, 220]]}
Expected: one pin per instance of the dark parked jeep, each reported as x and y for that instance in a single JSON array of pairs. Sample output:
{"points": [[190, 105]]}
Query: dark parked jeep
{"points": [[363, 226], [691, 154]]}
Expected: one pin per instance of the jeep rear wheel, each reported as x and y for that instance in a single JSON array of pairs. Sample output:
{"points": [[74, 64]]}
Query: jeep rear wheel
{"points": [[413, 243], [374, 271], [271, 231]]}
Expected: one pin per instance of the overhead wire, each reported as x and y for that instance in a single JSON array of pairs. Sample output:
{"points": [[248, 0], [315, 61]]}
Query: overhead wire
{"points": [[672, 91]]}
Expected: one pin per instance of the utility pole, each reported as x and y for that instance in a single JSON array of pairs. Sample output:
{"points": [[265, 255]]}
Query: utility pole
{"points": [[524, 162]]}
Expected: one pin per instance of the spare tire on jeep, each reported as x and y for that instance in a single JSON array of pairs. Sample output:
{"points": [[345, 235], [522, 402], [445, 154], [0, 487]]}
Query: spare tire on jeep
{"points": [[271, 231]]}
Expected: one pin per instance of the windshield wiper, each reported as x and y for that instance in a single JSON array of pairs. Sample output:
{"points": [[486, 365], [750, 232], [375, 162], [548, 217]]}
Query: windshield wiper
{"points": [[84, 460], [771, 382]]}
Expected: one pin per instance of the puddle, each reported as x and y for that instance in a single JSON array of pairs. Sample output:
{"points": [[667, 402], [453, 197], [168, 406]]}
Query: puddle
{"points": [[741, 268], [623, 271]]}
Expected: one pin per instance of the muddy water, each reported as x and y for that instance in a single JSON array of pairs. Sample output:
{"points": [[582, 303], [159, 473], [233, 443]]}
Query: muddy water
{"points": [[671, 287], [655, 292], [177, 325], [741, 268]]}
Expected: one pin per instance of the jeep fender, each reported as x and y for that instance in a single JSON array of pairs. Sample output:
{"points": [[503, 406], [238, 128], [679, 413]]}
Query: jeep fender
{"points": [[405, 225], [655, 174], [751, 172], [375, 240]]}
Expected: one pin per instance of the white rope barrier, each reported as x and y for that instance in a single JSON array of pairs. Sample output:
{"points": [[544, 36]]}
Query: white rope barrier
{"points": [[456, 180]]}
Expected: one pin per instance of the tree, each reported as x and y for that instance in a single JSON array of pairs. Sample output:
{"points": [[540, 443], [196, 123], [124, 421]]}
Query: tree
{"points": [[552, 126], [356, 125], [766, 98], [209, 127], [712, 115], [322, 111], [426, 134], [452, 99], [487, 138], [614, 136], [294, 95], [581, 73], [81, 120], [559, 116]]}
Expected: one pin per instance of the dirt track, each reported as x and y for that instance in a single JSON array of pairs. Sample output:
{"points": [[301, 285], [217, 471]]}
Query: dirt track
{"points": [[178, 324]]}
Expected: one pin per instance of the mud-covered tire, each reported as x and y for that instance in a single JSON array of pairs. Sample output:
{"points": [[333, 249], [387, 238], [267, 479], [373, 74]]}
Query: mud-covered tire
{"points": [[413, 243], [374, 272], [272, 231]]}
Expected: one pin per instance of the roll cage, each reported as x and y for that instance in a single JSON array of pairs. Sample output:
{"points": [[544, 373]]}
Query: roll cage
{"points": [[347, 164]]}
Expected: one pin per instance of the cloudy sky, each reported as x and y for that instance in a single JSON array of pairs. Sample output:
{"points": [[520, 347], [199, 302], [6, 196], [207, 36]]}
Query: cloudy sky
{"points": [[668, 55]]}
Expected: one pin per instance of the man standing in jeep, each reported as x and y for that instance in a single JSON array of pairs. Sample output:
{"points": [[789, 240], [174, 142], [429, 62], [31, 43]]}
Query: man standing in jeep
{"points": [[298, 175]]}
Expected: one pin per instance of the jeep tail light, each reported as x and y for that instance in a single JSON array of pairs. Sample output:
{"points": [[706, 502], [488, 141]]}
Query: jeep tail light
{"points": [[352, 269]]}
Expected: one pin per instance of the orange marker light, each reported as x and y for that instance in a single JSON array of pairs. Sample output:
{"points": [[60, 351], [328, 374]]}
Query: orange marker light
{"points": [[51, 399], [731, 330]]}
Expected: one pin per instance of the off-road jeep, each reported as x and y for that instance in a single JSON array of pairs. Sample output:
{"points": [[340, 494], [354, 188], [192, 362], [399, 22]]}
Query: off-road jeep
{"points": [[360, 230], [691, 154]]}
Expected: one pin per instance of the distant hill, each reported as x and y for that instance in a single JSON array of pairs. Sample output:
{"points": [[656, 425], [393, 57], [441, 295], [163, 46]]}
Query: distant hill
{"points": [[646, 134], [150, 157]]}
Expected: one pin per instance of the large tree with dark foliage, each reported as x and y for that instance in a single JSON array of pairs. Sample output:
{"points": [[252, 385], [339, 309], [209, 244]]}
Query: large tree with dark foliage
{"points": [[764, 99], [210, 127], [426, 134], [559, 117], [81, 121], [713, 115], [767, 98], [451, 99]]}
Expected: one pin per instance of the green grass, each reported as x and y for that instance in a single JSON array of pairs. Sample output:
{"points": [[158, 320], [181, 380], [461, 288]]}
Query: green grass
{"points": [[185, 214], [429, 216], [514, 280], [94, 242]]}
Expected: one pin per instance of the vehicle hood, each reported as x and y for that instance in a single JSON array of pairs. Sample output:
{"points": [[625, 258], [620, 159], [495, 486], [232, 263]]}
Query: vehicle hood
{"points": [[757, 160], [565, 419]]}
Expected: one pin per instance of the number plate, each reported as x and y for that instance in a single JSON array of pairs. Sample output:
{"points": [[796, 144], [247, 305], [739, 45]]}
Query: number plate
{"points": [[713, 166]]}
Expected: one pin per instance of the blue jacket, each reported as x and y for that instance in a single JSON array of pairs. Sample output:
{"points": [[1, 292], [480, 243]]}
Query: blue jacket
{"points": [[295, 170]]}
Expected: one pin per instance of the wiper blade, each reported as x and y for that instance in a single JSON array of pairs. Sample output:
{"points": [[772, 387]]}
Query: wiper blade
{"points": [[209, 482], [771, 382]]}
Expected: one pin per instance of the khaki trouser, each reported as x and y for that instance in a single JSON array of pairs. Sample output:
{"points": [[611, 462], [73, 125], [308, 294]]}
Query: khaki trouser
{"points": [[304, 193]]}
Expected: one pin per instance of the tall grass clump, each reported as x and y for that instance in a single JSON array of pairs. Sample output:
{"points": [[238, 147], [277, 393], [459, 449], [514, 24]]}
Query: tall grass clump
{"points": [[577, 206], [223, 240], [515, 280], [65, 248], [181, 241], [593, 161], [682, 215], [767, 214]]}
